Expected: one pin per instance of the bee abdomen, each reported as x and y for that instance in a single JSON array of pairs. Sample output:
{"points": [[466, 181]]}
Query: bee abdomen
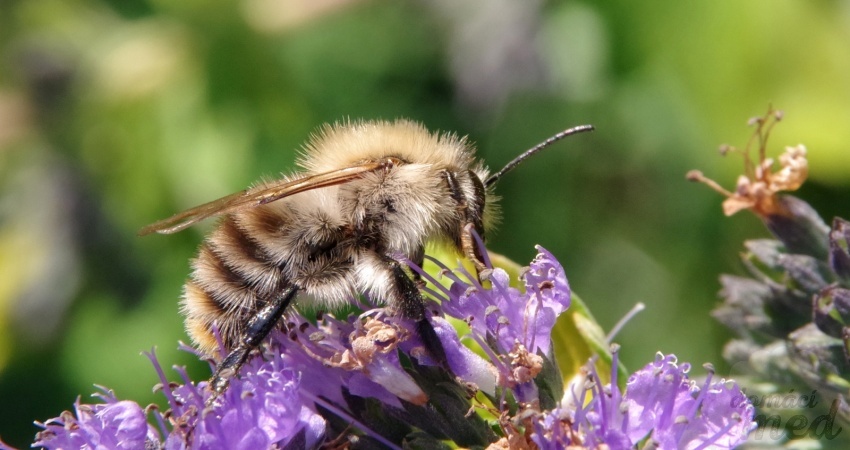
{"points": [[231, 279], [202, 312]]}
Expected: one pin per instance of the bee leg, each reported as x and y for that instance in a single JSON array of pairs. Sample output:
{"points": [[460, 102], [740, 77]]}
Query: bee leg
{"points": [[418, 258], [407, 298], [471, 218], [258, 328], [471, 250]]}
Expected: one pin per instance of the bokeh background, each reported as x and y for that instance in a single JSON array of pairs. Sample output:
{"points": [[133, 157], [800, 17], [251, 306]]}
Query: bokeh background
{"points": [[116, 113]]}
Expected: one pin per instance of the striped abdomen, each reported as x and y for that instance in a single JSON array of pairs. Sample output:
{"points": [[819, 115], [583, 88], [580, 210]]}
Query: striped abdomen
{"points": [[255, 254]]}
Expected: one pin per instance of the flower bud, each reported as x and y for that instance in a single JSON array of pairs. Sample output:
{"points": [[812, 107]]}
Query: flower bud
{"points": [[818, 358], [798, 226], [839, 248], [832, 310]]}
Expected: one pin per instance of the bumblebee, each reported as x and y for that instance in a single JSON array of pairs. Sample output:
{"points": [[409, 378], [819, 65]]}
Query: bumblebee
{"points": [[367, 194]]}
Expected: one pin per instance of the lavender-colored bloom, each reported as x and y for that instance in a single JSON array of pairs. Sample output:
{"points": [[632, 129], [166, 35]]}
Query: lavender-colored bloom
{"points": [[513, 328], [465, 363], [113, 424], [279, 398], [660, 403], [680, 414], [260, 408], [360, 355], [506, 314], [548, 296]]}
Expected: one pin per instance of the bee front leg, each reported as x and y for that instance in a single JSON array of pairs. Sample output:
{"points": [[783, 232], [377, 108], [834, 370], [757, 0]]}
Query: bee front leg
{"points": [[471, 250], [404, 295], [418, 258], [256, 331], [470, 210]]}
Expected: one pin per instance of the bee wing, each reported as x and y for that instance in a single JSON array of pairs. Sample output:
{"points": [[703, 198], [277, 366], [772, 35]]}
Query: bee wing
{"points": [[250, 198]]}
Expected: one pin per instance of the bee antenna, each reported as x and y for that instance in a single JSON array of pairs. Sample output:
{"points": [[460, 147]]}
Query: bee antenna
{"points": [[492, 179]]}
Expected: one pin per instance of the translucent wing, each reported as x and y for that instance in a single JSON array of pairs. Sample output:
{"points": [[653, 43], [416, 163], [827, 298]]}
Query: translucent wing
{"points": [[250, 198]]}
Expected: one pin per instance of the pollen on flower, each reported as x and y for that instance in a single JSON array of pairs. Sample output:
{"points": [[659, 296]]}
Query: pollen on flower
{"points": [[525, 366], [380, 337], [757, 187]]}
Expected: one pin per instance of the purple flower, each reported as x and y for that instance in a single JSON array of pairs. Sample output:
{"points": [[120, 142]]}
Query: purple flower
{"points": [[660, 403], [465, 363], [260, 408], [370, 379], [513, 328], [509, 316], [360, 354], [113, 424]]}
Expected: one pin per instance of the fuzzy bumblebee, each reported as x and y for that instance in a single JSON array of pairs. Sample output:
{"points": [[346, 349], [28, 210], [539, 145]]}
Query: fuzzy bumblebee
{"points": [[368, 193]]}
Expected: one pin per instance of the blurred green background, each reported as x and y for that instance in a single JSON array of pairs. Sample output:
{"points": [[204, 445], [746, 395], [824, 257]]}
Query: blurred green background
{"points": [[116, 113]]}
